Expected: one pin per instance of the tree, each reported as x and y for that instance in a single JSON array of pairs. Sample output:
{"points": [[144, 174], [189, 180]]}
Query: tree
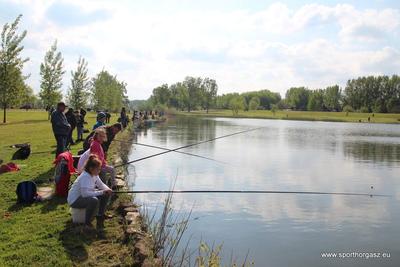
{"points": [[316, 100], [193, 86], [28, 98], [161, 95], [274, 108], [179, 97], [266, 97], [332, 96], [209, 92], [237, 103], [79, 90], [377, 94], [11, 65], [107, 93], [254, 103], [297, 98], [51, 72]]}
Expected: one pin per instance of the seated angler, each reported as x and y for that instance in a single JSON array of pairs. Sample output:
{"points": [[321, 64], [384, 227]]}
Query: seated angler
{"points": [[96, 148], [111, 131], [90, 193]]}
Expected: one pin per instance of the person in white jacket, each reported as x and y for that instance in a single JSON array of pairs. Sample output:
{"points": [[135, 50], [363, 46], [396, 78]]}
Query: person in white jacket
{"points": [[90, 193]]}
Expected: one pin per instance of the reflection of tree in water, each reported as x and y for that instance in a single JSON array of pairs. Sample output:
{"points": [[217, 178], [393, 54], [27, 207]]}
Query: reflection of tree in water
{"points": [[186, 130], [376, 152], [312, 138]]}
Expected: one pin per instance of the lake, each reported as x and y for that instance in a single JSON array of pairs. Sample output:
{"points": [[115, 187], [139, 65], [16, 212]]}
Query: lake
{"points": [[280, 229]]}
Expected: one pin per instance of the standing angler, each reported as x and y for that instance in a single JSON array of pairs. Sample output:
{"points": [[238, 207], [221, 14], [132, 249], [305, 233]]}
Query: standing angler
{"points": [[61, 127], [71, 119]]}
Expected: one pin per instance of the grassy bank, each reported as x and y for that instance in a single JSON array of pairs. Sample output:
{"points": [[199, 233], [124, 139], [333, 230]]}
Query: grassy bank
{"points": [[42, 234], [302, 115]]}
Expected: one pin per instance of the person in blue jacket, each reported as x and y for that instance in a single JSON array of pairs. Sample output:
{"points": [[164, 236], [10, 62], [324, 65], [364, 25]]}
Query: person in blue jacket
{"points": [[101, 118]]}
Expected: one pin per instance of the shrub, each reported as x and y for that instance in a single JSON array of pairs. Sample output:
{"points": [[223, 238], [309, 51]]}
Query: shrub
{"points": [[274, 109], [347, 108]]}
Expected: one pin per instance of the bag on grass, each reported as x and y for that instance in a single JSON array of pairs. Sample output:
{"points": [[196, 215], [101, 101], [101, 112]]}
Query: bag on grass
{"points": [[26, 192], [23, 152]]}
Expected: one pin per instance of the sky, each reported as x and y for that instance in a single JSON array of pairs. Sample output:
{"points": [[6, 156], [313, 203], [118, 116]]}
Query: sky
{"points": [[244, 45]]}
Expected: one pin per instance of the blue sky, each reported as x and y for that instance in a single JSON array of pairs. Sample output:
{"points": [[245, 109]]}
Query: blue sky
{"points": [[244, 45]]}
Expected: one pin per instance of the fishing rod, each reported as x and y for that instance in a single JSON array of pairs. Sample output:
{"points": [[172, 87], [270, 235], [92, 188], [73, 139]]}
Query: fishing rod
{"points": [[166, 149], [186, 146], [246, 192]]}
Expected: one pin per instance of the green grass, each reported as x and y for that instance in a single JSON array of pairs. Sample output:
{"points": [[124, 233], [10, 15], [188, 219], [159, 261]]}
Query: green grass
{"points": [[41, 234], [302, 115]]}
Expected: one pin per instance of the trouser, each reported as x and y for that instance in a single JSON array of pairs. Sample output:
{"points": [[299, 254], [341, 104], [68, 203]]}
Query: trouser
{"points": [[107, 169], [92, 205], [61, 143], [70, 140], [79, 131]]}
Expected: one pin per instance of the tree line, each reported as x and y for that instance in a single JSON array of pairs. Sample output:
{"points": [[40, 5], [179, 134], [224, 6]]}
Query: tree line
{"points": [[190, 94], [363, 94], [102, 92], [380, 94]]}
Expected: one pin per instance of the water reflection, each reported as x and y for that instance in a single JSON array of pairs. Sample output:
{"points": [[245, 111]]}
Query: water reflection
{"points": [[372, 151], [284, 155]]}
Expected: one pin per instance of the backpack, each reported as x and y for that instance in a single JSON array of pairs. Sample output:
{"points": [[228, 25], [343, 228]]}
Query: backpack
{"points": [[60, 170], [26, 192], [23, 152]]}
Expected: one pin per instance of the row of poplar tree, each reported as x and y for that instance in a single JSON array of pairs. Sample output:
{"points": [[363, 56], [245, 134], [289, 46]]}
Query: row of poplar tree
{"points": [[103, 92]]}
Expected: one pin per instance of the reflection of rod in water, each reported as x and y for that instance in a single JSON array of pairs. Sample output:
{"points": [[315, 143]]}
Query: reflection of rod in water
{"points": [[190, 145], [166, 149], [249, 192]]}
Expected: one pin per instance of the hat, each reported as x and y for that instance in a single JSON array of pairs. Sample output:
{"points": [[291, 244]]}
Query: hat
{"points": [[101, 115], [61, 104]]}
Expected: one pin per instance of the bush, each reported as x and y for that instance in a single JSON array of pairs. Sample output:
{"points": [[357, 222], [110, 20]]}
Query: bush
{"points": [[236, 104], [364, 110], [347, 108], [254, 103], [274, 108]]}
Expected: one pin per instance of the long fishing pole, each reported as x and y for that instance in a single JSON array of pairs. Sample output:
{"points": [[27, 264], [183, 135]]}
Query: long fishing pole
{"points": [[247, 192], [186, 146], [166, 149]]}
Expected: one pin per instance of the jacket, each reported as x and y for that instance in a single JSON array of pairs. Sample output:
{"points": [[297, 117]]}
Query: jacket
{"points": [[97, 149], [59, 123], [71, 118]]}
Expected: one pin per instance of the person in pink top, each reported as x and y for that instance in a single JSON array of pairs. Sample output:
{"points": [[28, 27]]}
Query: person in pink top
{"points": [[99, 137]]}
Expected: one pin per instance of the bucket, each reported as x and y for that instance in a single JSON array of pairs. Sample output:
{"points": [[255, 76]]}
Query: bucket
{"points": [[78, 215]]}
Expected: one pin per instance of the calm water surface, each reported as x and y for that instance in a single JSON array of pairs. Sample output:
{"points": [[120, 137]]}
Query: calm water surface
{"points": [[280, 229]]}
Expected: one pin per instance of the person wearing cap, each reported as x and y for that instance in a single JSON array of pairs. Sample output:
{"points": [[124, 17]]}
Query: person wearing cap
{"points": [[61, 127], [101, 117]]}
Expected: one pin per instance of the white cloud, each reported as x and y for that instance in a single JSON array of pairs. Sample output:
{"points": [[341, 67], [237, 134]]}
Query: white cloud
{"points": [[276, 47]]}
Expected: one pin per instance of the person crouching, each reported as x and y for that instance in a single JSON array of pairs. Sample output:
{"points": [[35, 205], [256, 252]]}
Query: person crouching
{"points": [[90, 193]]}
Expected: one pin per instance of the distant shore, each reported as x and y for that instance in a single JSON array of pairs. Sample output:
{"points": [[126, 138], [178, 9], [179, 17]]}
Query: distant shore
{"points": [[301, 115]]}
